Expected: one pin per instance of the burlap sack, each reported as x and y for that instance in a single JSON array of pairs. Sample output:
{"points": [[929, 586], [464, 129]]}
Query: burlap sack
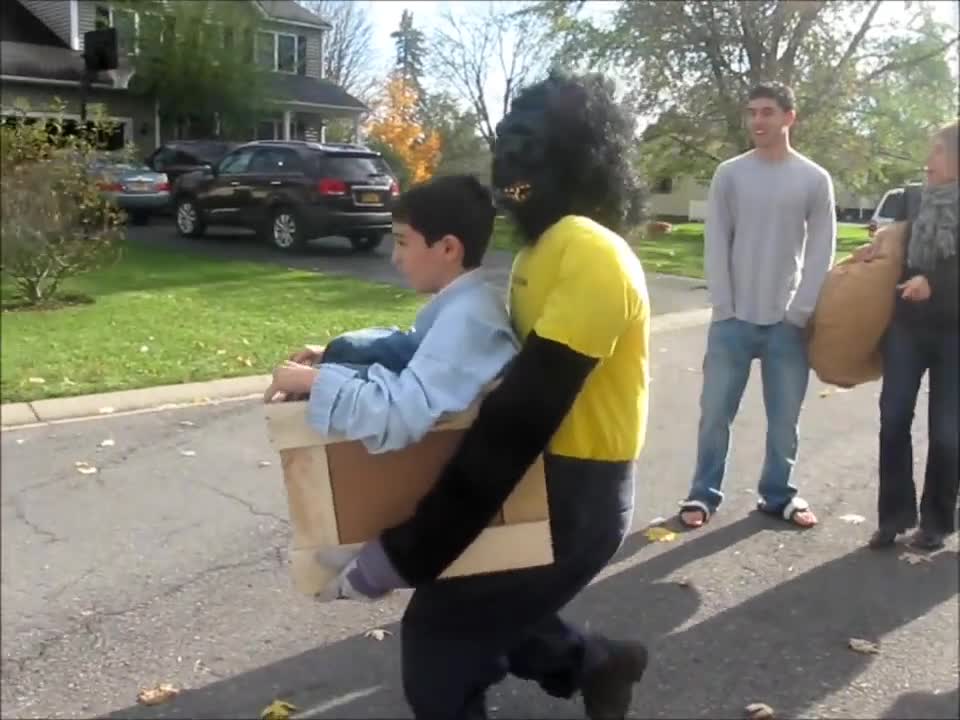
{"points": [[853, 312]]}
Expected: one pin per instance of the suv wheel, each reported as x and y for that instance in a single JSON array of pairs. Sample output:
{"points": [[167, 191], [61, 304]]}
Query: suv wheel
{"points": [[367, 243], [189, 222], [285, 232]]}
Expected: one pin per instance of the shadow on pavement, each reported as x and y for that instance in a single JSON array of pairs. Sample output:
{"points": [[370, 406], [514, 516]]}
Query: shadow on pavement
{"points": [[786, 646], [925, 706]]}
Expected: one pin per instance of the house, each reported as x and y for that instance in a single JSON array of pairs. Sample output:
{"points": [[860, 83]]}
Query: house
{"points": [[41, 44], [684, 198]]}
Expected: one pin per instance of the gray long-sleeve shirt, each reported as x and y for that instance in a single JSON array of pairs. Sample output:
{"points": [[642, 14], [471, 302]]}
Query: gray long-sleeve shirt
{"points": [[770, 238]]}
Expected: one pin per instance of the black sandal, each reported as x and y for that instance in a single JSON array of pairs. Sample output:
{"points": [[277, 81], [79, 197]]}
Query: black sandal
{"points": [[688, 506]]}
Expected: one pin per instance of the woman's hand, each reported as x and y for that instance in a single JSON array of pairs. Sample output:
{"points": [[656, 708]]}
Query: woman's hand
{"points": [[290, 379], [916, 289]]}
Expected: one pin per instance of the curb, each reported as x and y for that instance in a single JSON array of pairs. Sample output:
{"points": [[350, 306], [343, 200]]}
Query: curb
{"points": [[211, 392]]}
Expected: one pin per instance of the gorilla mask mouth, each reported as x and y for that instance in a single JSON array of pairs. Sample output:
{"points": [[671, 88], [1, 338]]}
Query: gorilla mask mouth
{"points": [[517, 192]]}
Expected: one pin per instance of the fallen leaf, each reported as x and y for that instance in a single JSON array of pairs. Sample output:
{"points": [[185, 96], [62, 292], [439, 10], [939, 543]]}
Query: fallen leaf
{"points": [[659, 519], [914, 558], [221, 352], [36, 380], [244, 341], [160, 694], [683, 582], [109, 442], [659, 534], [187, 423], [852, 518], [105, 410], [377, 634], [144, 348], [85, 468], [188, 453], [68, 381], [864, 647], [278, 710], [759, 711], [263, 463]]}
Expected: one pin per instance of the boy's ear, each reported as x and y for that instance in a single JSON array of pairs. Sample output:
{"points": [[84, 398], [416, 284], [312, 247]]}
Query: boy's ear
{"points": [[452, 247]]}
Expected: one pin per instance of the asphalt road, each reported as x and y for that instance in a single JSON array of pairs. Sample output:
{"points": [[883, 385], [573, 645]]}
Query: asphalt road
{"points": [[333, 255], [169, 567]]}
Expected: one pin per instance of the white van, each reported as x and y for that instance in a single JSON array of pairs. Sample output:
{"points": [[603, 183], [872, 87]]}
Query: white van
{"points": [[891, 206]]}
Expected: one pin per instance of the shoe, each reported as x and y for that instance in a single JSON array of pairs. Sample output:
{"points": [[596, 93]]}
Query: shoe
{"points": [[608, 688], [884, 536], [927, 540]]}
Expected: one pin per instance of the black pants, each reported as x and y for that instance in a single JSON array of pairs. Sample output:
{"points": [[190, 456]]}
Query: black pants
{"points": [[462, 635], [909, 351]]}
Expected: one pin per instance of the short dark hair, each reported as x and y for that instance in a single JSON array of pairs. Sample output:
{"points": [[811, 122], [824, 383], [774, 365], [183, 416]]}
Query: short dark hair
{"points": [[457, 205], [776, 91]]}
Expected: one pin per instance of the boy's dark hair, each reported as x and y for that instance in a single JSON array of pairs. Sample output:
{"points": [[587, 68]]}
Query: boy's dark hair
{"points": [[457, 205], [781, 94]]}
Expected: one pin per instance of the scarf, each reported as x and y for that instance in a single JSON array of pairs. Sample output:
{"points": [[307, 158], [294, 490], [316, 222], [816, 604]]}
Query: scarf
{"points": [[933, 236]]}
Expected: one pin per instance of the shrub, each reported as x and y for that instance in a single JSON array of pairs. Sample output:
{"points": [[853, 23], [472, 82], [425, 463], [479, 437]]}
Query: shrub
{"points": [[54, 221]]}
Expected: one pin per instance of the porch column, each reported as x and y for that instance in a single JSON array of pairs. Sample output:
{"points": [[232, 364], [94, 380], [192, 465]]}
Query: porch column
{"points": [[323, 131], [287, 119], [356, 128]]}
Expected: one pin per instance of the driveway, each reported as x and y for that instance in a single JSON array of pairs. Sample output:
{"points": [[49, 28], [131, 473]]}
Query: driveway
{"points": [[333, 255]]}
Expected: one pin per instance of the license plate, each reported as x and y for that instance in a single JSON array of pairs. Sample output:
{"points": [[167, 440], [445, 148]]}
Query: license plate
{"points": [[370, 198], [139, 187]]}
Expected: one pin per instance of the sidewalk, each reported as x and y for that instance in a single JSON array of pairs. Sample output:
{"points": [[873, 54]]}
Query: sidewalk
{"points": [[163, 397]]}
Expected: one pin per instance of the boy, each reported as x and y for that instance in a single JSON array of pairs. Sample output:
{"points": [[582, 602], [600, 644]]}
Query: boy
{"points": [[461, 340]]}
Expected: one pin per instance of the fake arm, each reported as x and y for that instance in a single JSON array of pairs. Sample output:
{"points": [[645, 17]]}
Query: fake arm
{"points": [[582, 320]]}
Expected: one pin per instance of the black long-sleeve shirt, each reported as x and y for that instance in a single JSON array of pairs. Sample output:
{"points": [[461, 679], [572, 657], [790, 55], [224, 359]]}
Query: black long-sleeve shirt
{"points": [[942, 310]]}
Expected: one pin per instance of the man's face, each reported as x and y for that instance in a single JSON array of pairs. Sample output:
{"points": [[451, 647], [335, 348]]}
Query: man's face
{"points": [[767, 122], [425, 267]]}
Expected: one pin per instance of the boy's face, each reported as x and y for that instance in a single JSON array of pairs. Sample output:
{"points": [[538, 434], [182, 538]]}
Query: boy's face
{"points": [[426, 268]]}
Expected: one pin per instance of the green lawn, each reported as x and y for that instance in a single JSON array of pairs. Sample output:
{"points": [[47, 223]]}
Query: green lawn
{"points": [[163, 317], [681, 252]]}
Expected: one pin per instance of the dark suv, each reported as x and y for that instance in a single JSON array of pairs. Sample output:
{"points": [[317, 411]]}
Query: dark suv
{"points": [[291, 192]]}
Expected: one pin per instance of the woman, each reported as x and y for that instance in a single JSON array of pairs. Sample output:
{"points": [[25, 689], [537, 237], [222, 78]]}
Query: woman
{"points": [[923, 337]]}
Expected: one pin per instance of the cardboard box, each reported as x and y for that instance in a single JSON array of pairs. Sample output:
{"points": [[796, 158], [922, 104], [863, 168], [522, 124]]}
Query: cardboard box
{"points": [[340, 496]]}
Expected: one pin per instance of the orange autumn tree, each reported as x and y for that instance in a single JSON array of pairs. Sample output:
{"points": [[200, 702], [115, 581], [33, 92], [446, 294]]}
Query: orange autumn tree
{"points": [[395, 125]]}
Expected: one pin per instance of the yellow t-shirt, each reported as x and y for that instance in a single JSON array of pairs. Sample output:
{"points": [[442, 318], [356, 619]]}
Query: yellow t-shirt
{"points": [[582, 285]]}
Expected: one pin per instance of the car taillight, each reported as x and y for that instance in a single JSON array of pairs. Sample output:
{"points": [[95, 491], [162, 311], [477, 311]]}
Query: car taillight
{"points": [[162, 187], [394, 188], [331, 186]]}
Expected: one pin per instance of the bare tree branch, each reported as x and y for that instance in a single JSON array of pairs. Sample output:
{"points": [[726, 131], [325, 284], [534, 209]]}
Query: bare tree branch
{"points": [[348, 53]]}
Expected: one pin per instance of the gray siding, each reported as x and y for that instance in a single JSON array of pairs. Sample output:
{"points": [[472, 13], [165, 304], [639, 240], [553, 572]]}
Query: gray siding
{"points": [[55, 14], [88, 17], [136, 111]]}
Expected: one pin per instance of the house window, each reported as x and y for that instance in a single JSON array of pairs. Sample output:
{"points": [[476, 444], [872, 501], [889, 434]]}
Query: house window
{"points": [[280, 52]]}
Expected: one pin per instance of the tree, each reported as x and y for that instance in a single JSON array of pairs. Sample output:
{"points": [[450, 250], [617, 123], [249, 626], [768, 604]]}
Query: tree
{"points": [[690, 64], [196, 57], [462, 149], [409, 43], [54, 221], [487, 39], [348, 55], [395, 125]]}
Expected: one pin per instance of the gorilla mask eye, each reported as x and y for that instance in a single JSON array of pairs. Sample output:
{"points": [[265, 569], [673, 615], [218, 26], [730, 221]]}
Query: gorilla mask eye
{"points": [[517, 192]]}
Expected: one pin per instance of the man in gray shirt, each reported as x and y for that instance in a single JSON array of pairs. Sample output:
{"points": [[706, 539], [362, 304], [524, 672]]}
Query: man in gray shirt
{"points": [[770, 240]]}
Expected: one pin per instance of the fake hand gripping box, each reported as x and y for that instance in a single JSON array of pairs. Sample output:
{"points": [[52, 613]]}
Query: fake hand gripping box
{"points": [[340, 496], [853, 312]]}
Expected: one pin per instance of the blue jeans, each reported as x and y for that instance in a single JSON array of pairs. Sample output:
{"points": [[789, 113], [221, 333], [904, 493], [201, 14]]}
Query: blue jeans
{"points": [[732, 345], [908, 352]]}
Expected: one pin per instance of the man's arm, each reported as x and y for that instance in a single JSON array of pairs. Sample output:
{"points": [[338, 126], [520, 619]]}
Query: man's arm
{"points": [[818, 252], [389, 410], [718, 238]]}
